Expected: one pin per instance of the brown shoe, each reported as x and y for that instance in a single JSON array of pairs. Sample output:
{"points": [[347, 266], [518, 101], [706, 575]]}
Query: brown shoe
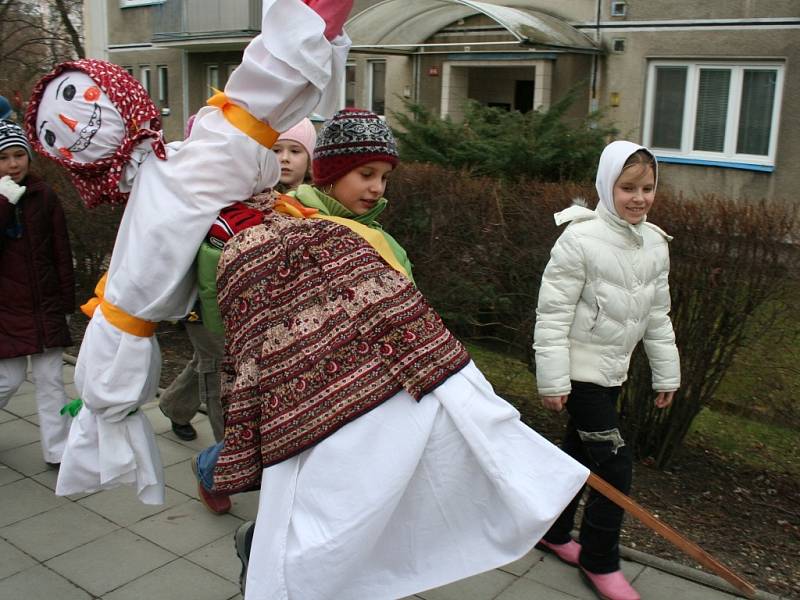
{"points": [[218, 504]]}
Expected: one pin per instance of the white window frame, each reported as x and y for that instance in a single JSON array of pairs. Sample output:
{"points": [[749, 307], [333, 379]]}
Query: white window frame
{"points": [[134, 3], [162, 75], [619, 8], [728, 157], [146, 77], [370, 80], [210, 83], [343, 94]]}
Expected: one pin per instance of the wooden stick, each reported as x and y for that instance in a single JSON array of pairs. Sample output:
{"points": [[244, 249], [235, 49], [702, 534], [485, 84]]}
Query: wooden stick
{"points": [[672, 536]]}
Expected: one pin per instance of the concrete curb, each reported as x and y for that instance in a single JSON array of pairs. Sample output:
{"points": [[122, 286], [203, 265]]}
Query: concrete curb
{"points": [[690, 573]]}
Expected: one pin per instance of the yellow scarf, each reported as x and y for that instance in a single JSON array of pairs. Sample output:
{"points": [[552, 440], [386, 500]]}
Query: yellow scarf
{"points": [[292, 207]]}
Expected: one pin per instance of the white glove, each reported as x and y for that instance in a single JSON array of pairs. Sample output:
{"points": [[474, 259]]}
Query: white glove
{"points": [[11, 190]]}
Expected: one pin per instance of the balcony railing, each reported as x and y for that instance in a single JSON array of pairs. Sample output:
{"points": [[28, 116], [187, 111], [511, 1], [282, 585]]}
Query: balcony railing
{"points": [[184, 20]]}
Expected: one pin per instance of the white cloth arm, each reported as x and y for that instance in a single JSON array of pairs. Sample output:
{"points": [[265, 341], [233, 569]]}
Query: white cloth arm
{"points": [[286, 72], [281, 83]]}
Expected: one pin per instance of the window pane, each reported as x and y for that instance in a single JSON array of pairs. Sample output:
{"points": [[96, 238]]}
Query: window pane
{"points": [[350, 86], [163, 86], [212, 78], [668, 107], [378, 87], [144, 78], [755, 117], [712, 109]]}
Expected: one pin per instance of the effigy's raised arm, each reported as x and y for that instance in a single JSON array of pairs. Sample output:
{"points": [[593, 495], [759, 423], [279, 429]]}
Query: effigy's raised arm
{"points": [[173, 192]]}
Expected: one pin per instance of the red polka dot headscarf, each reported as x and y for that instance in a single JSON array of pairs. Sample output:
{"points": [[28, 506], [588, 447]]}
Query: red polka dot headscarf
{"points": [[88, 115]]}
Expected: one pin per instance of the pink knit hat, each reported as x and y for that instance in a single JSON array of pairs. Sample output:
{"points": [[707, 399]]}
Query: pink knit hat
{"points": [[304, 134]]}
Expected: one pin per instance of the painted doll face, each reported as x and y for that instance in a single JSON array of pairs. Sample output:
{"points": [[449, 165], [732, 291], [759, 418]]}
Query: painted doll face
{"points": [[76, 121]]}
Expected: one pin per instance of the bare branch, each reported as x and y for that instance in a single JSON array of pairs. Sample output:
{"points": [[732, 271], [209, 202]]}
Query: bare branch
{"points": [[66, 19]]}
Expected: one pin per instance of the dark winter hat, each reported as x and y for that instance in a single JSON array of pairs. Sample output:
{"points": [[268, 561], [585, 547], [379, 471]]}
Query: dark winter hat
{"points": [[5, 108], [353, 137], [11, 134]]}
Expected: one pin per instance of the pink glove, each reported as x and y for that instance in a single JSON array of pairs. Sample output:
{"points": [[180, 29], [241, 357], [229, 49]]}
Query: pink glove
{"points": [[333, 12]]}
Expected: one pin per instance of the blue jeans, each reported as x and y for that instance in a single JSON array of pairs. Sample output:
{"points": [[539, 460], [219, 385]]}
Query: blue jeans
{"points": [[206, 461]]}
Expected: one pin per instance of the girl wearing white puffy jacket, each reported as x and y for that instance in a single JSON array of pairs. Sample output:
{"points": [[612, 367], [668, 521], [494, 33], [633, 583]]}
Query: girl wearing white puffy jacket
{"points": [[604, 289]]}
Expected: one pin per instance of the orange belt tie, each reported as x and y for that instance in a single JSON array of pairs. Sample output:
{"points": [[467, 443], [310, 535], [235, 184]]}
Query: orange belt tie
{"points": [[115, 315], [243, 120]]}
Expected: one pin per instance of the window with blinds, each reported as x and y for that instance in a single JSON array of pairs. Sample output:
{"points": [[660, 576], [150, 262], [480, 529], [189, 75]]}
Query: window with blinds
{"points": [[669, 100], [755, 115], [713, 111], [350, 86]]}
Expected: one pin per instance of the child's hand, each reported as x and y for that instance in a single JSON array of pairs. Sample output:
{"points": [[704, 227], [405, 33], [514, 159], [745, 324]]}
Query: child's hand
{"points": [[664, 399], [10, 189], [554, 403]]}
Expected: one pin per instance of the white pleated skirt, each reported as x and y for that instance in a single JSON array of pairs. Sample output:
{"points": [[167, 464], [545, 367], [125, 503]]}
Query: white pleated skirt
{"points": [[408, 497]]}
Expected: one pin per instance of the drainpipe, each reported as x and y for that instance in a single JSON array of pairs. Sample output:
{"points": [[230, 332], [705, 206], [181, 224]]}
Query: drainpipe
{"points": [[417, 77], [593, 103]]}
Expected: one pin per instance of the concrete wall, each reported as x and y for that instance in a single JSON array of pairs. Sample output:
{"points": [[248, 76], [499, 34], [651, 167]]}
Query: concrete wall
{"points": [[129, 25]]}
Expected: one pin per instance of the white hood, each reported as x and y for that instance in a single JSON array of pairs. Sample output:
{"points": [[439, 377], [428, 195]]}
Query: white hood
{"points": [[611, 162]]}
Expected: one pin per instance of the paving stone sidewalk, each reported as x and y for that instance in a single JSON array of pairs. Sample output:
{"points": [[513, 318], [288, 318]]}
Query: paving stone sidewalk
{"points": [[108, 545]]}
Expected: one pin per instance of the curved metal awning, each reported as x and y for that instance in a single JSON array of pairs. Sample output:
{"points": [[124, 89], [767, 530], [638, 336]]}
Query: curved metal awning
{"points": [[400, 24]]}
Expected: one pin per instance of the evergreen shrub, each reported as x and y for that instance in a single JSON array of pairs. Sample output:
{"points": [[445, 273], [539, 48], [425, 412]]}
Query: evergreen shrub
{"points": [[542, 145]]}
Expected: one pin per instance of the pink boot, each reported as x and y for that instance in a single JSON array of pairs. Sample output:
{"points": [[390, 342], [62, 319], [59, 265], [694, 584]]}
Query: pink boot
{"points": [[567, 553], [610, 586]]}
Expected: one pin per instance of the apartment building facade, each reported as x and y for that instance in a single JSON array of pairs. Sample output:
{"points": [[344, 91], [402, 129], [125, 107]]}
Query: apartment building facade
{"points": [[707, 85]]}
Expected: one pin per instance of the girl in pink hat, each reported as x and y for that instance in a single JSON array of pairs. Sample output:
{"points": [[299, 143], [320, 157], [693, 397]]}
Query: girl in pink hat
{"points": [[293, 150]]}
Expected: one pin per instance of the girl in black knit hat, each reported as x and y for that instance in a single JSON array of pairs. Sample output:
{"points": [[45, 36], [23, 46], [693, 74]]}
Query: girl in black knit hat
{"points": [[36, 288]]}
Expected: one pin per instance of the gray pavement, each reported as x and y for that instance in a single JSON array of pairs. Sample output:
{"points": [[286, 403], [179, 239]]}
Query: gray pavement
{"points": [[108, 545]]}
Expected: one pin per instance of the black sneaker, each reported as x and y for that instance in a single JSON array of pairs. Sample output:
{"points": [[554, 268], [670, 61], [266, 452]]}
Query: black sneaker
{"points": [[243, 539], [184, 432]]}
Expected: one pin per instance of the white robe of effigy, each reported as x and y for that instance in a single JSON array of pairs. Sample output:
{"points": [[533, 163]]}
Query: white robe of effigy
{"points": [[287, 71], [407, 497]]}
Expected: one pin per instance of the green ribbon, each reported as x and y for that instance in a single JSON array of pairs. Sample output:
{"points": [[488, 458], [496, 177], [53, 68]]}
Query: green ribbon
{"points": [[73, 407]]}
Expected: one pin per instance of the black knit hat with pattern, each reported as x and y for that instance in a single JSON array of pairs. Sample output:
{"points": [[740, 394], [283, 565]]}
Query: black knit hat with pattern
{"points": [[353, 137], [12, 134]]}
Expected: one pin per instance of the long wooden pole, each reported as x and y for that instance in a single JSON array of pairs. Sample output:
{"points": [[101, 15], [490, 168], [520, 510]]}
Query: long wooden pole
{"points": [[667, 532]]}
